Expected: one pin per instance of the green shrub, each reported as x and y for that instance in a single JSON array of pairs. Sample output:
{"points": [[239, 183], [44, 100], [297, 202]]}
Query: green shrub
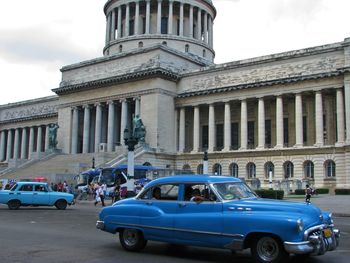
{"points": [[270, 194], [322, 191], [343, 191], [299, 191]]}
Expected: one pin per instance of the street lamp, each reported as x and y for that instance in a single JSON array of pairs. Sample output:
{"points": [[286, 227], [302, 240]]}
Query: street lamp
{"points": [[205, 163], [131, 141], [93, 163]]}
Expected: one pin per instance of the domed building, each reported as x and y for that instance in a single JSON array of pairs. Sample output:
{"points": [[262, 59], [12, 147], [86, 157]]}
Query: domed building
{"points": [[284, 117]]}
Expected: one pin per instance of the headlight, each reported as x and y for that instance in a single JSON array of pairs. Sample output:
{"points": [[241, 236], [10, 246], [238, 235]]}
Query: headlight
{"points": [[300, 225], [330, 218]]}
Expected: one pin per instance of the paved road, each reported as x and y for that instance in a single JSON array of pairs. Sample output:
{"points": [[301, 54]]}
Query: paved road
{"points": [[38, 235]]}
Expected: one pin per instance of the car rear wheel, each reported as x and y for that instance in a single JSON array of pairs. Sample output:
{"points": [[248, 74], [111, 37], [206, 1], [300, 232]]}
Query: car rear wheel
{"points": [[132, 239], [14, 204], [268, 249], [61, 204]]}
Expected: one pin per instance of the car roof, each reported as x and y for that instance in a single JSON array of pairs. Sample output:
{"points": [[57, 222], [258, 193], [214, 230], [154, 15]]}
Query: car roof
{"points": [[30, 182], [193, 178]]}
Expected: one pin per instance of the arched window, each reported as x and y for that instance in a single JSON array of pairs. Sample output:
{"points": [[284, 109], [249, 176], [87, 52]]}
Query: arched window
{"points": [[288, 170], [187, 48], [308, 170], [234, 169], [164, 43], [140, 44], [147, 164], [200, 169], [186, 167], [120, 48], [269, 167], [251, 170], [204, 53], [329, 166], [217, 169]]}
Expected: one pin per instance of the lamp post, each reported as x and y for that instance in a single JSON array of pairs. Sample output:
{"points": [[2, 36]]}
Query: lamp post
{"points": [[205, 163], [131, 141], [93, 163]]}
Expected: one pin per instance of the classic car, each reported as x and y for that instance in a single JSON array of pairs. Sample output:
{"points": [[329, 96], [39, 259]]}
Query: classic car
{"points": [[219, 212], [36, 194]]}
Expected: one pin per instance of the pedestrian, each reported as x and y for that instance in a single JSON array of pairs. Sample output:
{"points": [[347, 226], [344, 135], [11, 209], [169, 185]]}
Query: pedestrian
{"points": [[100, 195], [116, 194], [308, 192]]}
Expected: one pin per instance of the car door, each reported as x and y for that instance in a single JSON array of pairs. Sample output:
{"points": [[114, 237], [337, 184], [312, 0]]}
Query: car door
{"points": [[25, 194], [157, 212], [199, 223], [41, 195]]}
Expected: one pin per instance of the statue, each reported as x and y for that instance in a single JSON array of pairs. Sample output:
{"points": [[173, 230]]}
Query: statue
{"points": [[139, 130], [53, 135]]}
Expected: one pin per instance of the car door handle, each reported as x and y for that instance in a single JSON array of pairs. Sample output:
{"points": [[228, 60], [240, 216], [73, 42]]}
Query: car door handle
{"points": [[149, 203], [18, 193], [231, 208], [35, 193], [182, 204]]}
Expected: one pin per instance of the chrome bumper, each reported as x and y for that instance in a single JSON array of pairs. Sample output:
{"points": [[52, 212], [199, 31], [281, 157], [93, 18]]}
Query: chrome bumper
{"points": [[100, 225], [315, 245]]}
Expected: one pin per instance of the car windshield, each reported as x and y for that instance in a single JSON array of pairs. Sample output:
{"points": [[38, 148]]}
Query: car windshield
{"points": [[231, 191]]}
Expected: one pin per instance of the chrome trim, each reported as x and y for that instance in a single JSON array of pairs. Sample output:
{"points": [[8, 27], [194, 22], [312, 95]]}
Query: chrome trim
{"points": [[314, 228], [304, 247]]}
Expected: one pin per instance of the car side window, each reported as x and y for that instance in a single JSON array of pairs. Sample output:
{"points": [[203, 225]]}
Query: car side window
{"points": [[162, 192], [40, 188], [198, 191], [26, 188]]}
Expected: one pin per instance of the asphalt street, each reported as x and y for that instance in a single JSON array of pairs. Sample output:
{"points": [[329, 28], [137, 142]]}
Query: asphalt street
{"points": [[37, 234]]}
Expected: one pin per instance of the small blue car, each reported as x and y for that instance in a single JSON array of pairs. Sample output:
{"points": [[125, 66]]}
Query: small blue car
{"points": [[34, 193], [219, 212]]}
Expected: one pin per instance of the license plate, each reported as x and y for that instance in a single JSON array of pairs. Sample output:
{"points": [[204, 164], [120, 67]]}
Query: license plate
{"points": [[327, 233]]}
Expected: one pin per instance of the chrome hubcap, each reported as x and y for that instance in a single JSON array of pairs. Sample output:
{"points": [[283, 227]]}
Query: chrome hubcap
{"points": [[267, 249], [130, 237]]}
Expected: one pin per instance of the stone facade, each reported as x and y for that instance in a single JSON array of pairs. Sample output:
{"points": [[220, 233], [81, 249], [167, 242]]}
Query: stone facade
{"points": [[286, 113]]}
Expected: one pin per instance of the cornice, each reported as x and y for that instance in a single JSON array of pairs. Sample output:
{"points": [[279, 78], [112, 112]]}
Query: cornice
{"points": [[30, 118], [265, 83], [124, 78]]}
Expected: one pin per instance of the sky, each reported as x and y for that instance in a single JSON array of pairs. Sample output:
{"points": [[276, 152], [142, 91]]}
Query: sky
{"points": [[39, 37]]}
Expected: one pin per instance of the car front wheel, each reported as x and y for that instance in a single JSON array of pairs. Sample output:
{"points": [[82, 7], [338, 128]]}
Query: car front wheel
{"points": [[14, 204], [268, 249], [132, 239], [61, 204]]}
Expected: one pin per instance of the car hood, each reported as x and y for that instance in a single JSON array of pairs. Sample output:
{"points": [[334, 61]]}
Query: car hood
{"points": [[310, 213]]}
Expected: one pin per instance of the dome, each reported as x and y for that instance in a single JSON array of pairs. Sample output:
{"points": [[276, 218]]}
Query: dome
{"points": [[185, 26]]}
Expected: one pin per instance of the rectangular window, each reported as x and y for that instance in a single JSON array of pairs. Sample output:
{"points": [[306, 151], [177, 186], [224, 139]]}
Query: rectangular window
{"points": [[178, 27], [131, 27], [304, 129], [164, 25], [205, 137], [234, 136], [268, 133], [219, 136], [144, 25], [285, 131], [251, 132]]}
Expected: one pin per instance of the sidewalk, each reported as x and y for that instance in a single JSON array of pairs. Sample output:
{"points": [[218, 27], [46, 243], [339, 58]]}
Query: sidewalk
{"points": [[339, 205]]}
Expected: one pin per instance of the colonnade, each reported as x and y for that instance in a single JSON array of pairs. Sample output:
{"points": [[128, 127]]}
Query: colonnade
{"points": [[260, 119], [101, 124], [22, 142], [134, 18]]}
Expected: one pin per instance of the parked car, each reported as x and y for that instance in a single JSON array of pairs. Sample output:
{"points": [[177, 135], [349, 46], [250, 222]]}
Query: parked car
{"points": [[220, 212], [34, 193]]}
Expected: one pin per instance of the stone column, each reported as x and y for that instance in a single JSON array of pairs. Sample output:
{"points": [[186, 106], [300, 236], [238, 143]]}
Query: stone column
{"points": [[244, 125], [127, 20], [182, 130], [261, 123], [108, 28], [176, 130], [159, 17], [86, 131], [124, 119], [279, 122], [211, 129], [98, 126], [16, 147], [119, 26], [191, 21], [39, 139], [199, 24], [319, 118], [170, 17], [148, 16], [227, 127], [47, 146], [347, 109], [298, 120], [340, 118], [210, 33], [75, 130], [9, 145], [111, 127], [205, 27], [137, 18], [181, 19], [2, 146], [31, 142], [137, 106], [113, 25], [24, 144], [196, 125]]}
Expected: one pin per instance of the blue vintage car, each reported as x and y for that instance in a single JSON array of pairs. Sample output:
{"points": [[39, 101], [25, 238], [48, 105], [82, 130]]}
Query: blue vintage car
{"points": [[220, 212], [34, 193]]}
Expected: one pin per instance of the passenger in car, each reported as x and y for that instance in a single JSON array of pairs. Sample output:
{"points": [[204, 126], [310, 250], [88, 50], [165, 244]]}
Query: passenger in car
{"points": [[196, 196], [157, 194]]}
